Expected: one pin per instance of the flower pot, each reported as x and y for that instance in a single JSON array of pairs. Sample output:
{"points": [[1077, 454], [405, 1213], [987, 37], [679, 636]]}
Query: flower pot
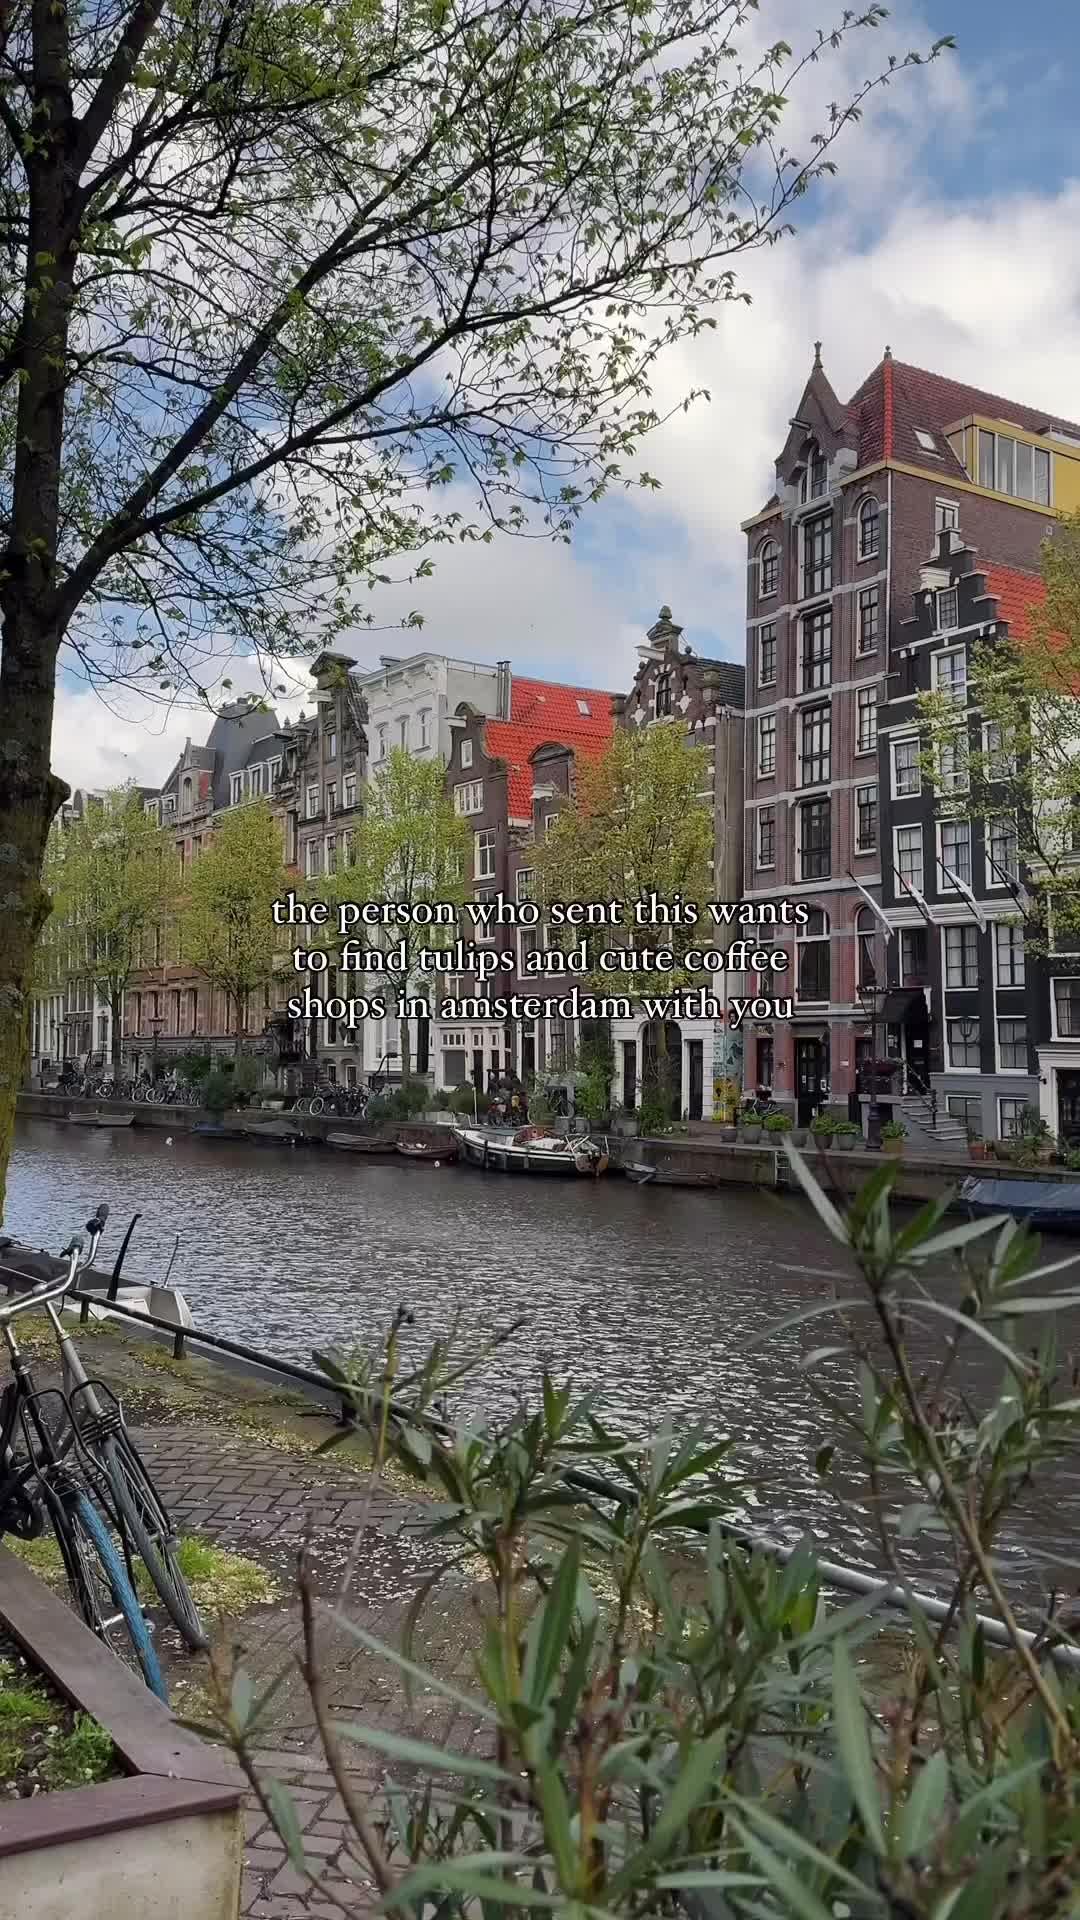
{"points": [[893, 1147], [750, 1136], [799, 1136], [977, 1149], [843, 1142], [729, 1135]]}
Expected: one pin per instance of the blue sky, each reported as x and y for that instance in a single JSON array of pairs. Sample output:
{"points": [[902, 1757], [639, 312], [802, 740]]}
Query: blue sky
{"points": [[952, 233]]}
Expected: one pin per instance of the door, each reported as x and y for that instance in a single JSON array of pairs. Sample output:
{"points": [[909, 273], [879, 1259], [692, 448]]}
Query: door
{"points": [[811, 1078], [629, 1074], [1068, 1090], [696, 1051]]}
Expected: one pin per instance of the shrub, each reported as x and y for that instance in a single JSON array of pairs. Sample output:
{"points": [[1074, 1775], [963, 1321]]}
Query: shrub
{"points": [[823, 1126], [217, 1091], [846, 1130], [894, 1130], [195, 1067], [407, 1100], [778, 1123]]}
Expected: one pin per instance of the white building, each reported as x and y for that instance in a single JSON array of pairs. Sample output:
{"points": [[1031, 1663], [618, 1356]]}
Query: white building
{"points": [[410, 702]]}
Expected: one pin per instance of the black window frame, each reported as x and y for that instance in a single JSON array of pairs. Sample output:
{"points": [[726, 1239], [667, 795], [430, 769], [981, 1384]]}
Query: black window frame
{"points": [[864, 808], [817, 554], [815, 744], [869, 517], [815, 650], [815, 839], [868, 635], [767, 638]]}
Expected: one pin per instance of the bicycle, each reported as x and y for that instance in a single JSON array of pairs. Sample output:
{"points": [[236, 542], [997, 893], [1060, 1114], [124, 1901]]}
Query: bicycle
{"points": [[42, 1487], [143, 1524]]}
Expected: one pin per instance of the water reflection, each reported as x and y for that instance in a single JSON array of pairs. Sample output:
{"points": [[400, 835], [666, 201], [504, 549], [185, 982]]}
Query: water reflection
{"points": [[650, 1293]]}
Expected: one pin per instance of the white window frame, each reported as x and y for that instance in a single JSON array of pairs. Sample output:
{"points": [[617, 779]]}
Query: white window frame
{"points": [[523, 884], [454, 1038], [864, 706], [865, 787], [950, 1021], [584, 707], [403, 732], [946, 516], [949, 687], [1008, 760], [425, 726], [522, 937], [312, 850], [331, 796], [465, 755], [275, 772], [946, 594], [330, 752], [330, 853], [469, 798], [311, 803], [954, 986], [956, 782], [993, 875], [998, 1018], [381, 734], [485, 841], [904, 740], [236, 789], [765, 773], [1009, 986], [911, 826], [943, 885], [1009, 1100], [1055, 1030], [348, 792]]}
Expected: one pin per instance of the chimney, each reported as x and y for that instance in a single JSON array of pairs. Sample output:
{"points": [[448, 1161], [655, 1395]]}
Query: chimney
{"points": [[502, 689]]}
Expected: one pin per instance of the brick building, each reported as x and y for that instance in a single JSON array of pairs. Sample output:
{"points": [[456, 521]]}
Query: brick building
{"points": [[864, 491]]}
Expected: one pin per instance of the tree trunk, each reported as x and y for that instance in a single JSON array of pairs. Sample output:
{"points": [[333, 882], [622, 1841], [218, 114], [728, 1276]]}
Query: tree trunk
{"points": [[406, 1051], [116, 1011]]}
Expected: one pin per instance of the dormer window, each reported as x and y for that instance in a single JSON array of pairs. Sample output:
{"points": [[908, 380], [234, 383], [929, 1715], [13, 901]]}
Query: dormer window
{"points": [[815, 475], [665, 697], [186, 794]]}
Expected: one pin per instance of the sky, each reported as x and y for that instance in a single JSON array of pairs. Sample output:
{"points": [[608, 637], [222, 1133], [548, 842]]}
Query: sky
{"points": [[951, 234]]}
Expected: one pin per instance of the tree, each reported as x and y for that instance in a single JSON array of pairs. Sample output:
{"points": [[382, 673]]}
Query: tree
{"points": [[273, 274], [115, 879], [226, 925], [1014, 763], [412, 850], [638, 829]]}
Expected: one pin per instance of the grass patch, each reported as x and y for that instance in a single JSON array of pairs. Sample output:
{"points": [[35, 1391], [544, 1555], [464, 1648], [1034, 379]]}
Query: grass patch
{"points": [[221, 1582], [42, 1556], [78, 1758], [41, 1740]]}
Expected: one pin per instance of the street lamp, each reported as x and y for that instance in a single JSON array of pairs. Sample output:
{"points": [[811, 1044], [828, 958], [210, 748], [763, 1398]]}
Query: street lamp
{"points": [[156, 1025], [872, 999]]}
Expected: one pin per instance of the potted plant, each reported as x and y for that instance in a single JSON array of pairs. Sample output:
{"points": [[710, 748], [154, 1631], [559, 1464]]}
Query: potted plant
{"points": [[845, 1134], [977, 1146], [823, 1128], [777, 1124], [893, 1135], [750, 1126]]}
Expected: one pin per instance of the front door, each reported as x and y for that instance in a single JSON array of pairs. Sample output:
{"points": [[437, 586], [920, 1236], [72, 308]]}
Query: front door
{"points": [[696, 1051], [1068, 1088], [811, 1078]]}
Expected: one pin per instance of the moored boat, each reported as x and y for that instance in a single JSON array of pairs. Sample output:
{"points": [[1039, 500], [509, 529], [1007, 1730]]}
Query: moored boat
{"points": [[531, 1150], [100, 1119], [435, 1145], [362, 1143], [1050, 1206]]}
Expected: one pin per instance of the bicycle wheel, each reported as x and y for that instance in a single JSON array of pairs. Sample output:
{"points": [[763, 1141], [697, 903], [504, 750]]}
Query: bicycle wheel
{"points": [[102, 1590], [145, 1526]]}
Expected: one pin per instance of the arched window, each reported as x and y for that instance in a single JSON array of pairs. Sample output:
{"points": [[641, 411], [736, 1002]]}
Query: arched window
{"points": [[768, 568], [186, 792], [866, 960], [665, 694], [869, 529], [813, 950], [815, 474]]}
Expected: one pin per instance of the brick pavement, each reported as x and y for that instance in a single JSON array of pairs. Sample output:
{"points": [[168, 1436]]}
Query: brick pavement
{"points": [[240, 1492]]}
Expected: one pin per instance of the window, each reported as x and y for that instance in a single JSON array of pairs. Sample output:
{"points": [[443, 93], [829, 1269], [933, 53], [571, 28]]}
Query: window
{"points": [[765, 1061], [998, 752], [1009, 955], [869, 530], [815, 475], [312, 863], [866, 971], [955, 853], [961, 956], [1012, 1046], [381, 736], [275, 772], [947, 611], [967, 1108], [866, 827], [950, 675], [348, 792], [584, 707], [946, 516], [255, 782], [330, 744], [766, 753], [1014, 466], [962, 1042], [1010, 1119], [766, 837], [466, 753], [866, 706], [869, 631], [470, 797], [524, 883], [403, 731], [425, 726], [926, 441], [665, 695], [312, 803], [815, 837], [817, 555], [1067, 1008], [909, 856], [914, 957], [485, 854], [906, 777], [815, 757], [1002, 853], [484, 934], [528, 941], [236, 789], [767, 655], [952, 766], [768, 568], [813, 950], [331, 853], [817, 650], [168, 805], [331, 796]]}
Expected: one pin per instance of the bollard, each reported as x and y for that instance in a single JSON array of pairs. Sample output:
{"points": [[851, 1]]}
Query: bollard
{"points": [[84, 1310], [178, 1344]]}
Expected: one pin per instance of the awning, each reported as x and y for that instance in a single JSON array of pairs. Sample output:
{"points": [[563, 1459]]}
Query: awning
{"points": [[900, 1003]]}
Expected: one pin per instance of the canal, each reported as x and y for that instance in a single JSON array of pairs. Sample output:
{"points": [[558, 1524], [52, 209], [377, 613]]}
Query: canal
{"points": [[650, 1293]]}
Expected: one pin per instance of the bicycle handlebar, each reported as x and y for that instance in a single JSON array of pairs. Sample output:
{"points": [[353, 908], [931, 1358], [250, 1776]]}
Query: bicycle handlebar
{"points": [[47, 1290]]}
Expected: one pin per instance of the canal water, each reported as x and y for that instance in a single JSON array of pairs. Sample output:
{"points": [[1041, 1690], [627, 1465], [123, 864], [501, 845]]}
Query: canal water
{"points": [[649, 1293]]}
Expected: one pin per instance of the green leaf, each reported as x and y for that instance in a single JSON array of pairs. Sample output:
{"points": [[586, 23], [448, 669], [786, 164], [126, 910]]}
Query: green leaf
{"points": [[693, 1783], [798, 1320], [957, 1237], [286, 1820], [924, 1806], [797, 1897], [822, 1206], [789, 1841], [418, 1753], [474, 1874], [1012, 1359], [426, 1679], [550, 1629], [853, 1742]]}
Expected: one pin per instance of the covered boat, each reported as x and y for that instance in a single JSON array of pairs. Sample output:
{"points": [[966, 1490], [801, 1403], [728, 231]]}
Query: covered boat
{"points": [[1051, 1206], [530, 1150]]}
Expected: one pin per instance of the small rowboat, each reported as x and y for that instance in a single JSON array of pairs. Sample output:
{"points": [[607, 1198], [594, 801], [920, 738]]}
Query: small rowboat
{"points": [[531, 1150], [100, 1119], [362, 1142], [424, 1143]]}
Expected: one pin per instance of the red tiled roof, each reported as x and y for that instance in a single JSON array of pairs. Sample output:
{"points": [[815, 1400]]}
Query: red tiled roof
{"points": [[1016, 594], [543, 713], [895, 400]]}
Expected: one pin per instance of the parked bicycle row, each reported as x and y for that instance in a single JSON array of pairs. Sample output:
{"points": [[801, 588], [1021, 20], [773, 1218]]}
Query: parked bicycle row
{"points": [[68, 1461], [144, 1091]]}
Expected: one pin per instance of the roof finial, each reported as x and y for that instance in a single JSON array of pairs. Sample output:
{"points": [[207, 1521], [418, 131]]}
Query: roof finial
{"points": [[817, 354], [665, 613], [888, 353]]}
